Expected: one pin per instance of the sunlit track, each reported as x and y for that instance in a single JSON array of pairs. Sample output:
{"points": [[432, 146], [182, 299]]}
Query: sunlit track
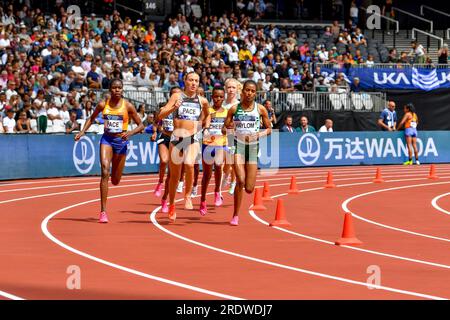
{"points": [[262, 172], [345, 207], [278, 178], [435, 200], [319, 175], [282, 266], [10, 296]]}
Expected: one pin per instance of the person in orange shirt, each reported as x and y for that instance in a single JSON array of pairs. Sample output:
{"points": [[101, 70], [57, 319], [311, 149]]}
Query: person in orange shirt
{"points": [[116, 113], [410, 120]]}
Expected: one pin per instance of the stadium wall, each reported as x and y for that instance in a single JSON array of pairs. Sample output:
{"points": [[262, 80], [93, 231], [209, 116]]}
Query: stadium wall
{"points": [[42, 156]]}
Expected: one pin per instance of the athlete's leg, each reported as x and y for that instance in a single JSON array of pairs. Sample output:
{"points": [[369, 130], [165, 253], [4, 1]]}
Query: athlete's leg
{"points": [[189, 161], [106, 155], [416, 151], [239, 169], [250, 176], [207, 173], [163, 160], [409, 143], [218, 165], [118, 163], [175, 164]]}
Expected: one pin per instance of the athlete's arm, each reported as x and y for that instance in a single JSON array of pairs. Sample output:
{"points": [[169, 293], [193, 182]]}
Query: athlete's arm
{"points": [[205, 116], [171, 105], [266, 121], [99, 108], [229, 124], [404, 119], [133, 114]]}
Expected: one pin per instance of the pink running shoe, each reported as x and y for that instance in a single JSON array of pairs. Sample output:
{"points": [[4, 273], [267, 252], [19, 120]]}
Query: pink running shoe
{"points": [[218, 201], [203, 209], [158, 189], [103, 217], [234, 221], [165, 207]]}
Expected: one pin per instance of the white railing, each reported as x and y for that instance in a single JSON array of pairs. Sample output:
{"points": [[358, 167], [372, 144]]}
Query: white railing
{"points": [[338, 99], [432, 9], [428, 34], [415, 16], [397, 25], [385, 65]]}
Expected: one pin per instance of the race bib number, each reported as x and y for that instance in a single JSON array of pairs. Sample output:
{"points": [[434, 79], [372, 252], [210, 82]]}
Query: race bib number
{"points": [[168, 125], [114, 126], [413, 124]]}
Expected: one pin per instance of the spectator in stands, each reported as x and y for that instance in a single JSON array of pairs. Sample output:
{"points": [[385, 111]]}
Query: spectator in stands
{"points": [[23, 124], [393, 56], [9, 124], [417, 52], [271, 112], [354, 13], [174, 30], [148, 123], [355, 87], [72, 125], [327, 127], [142, 79], [304, 126], [288, 125], [93, 78], [404, 58], [141, 112], [41, 106], [64, 113], [11, 89], [443, 54], [388, 11], [53, 112], [388, 117]]}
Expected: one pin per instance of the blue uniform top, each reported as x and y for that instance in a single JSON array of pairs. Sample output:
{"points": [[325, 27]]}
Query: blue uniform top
{"points": [[389, 117]]}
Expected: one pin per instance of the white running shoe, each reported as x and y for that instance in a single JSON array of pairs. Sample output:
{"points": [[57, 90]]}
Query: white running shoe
{"points": [[180, 187], [418, 162], [194, 191], [232, 187]]}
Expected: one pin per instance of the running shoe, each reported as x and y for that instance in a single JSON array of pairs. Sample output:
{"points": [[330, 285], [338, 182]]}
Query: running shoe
{"points": [[203, 209], [164, 206], [180, 187], [194, 191], [225, 182], [232, 187], [407, 163], [158, 189], [172, 213], [188, 203], [418, 162], [103, 217], [234, 221], [218, 200]]}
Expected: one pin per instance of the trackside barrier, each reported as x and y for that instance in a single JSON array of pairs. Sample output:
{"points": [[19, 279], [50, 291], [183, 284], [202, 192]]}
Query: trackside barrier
{"points": [[40, 156]]}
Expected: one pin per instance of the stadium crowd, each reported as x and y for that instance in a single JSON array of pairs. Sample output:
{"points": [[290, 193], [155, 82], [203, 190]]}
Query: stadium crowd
{"points": [[50, 66]]}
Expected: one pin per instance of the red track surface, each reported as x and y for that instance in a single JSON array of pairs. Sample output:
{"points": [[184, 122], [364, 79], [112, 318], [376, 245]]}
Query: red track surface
{"points": [[205, 258]]}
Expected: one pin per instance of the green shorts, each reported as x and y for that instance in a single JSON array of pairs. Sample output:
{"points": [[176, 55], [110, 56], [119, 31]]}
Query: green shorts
{"points": [[249, 151]]}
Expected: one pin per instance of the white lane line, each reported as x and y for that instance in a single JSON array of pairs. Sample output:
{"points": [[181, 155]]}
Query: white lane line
{"points": [[436, 206], [44, 228], [264, 172], [10, 296], [259, 219], [282, 266], [279, 177], [346, 209]]}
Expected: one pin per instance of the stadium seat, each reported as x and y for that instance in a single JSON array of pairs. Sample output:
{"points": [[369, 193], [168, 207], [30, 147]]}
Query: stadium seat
{"points": [[49, 126], [357, 101], [33, 124], [81, 122], [367, 100], [335, 101], [58, 126], [296, 101]]}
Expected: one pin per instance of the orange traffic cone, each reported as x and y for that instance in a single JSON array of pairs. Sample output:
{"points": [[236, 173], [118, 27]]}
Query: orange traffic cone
{"points": [[280, 216], [378, 178], [293, 187], [266, 192], [257, 201], [348, 233], [330, 183], [432, 174]]}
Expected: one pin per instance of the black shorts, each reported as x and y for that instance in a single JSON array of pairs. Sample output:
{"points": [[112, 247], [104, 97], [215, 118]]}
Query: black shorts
{"points": [[182, 143], [163, 139]]}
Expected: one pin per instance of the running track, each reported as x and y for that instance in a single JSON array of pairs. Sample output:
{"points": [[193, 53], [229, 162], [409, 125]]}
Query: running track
{"points": [[48, 225]]}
